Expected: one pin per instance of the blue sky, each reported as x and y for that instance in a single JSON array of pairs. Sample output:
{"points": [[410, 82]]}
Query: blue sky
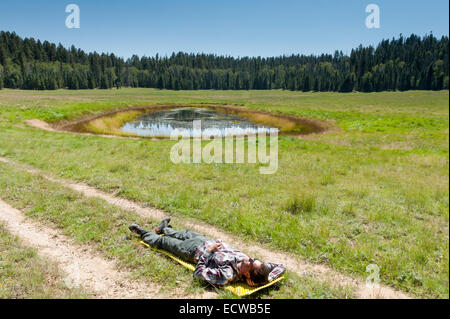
{"points": [[237, 28]]}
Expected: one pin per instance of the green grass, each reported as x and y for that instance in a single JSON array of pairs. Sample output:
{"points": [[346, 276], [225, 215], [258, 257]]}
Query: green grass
{"points": [[104, 227], [372, 190], [24, 274], [89, 221], [302, 204]]}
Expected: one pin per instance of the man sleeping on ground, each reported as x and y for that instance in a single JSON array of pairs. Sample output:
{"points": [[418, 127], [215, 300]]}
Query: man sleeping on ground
{"points": [[217, 262]]}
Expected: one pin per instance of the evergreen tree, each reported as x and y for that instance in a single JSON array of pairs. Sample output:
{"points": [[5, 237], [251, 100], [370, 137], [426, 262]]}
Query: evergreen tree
{"points": [[2, 56], [399, 64]]}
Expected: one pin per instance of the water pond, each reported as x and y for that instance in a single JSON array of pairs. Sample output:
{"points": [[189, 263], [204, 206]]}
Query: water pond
{"points": [[213, 123]]}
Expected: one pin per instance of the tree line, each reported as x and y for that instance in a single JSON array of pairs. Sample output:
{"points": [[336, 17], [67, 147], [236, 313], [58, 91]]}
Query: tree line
{"points": [[412, 63]]}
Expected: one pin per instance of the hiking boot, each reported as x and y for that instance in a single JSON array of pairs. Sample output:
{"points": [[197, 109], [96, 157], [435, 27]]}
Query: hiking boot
{"points": [[164, 224], [136, 229]]}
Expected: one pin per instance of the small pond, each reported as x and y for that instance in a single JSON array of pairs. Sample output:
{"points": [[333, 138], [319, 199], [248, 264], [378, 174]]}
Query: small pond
{"points": [[162, 123]]}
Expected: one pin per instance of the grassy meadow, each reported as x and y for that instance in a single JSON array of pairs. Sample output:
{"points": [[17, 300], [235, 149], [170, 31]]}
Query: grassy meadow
{"points": [[373, 189]]}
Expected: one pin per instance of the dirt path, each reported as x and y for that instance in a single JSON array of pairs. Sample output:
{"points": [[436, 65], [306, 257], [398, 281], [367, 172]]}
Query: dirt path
{"points": [[292, 262], [41, 125], [46, 127], [82, 265]]}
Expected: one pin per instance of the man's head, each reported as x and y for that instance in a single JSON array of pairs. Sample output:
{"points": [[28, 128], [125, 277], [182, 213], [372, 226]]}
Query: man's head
{"points": [[254, 271]]}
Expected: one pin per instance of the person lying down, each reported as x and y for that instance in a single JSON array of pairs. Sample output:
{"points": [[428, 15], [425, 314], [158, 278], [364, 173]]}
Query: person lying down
{"points": [[217, 262]]}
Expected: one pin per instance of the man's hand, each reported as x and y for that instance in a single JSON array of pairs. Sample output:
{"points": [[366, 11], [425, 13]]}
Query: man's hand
{"points": [[214, 247]]}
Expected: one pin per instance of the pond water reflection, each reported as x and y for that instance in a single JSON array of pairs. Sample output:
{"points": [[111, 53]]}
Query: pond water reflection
{"points": [[213, 123]]}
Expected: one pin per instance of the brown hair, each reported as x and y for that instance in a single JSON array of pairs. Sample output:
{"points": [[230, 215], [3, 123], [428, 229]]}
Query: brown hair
{"points": [[261, 275]]}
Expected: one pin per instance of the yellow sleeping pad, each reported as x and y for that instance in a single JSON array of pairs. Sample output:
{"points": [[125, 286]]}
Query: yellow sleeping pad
{"points": [[240, 289]]}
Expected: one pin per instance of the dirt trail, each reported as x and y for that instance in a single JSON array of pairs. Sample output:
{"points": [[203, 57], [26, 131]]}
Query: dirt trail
{"points": [[81, 265], [41, 125], [46, 127], [292, 262]]}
